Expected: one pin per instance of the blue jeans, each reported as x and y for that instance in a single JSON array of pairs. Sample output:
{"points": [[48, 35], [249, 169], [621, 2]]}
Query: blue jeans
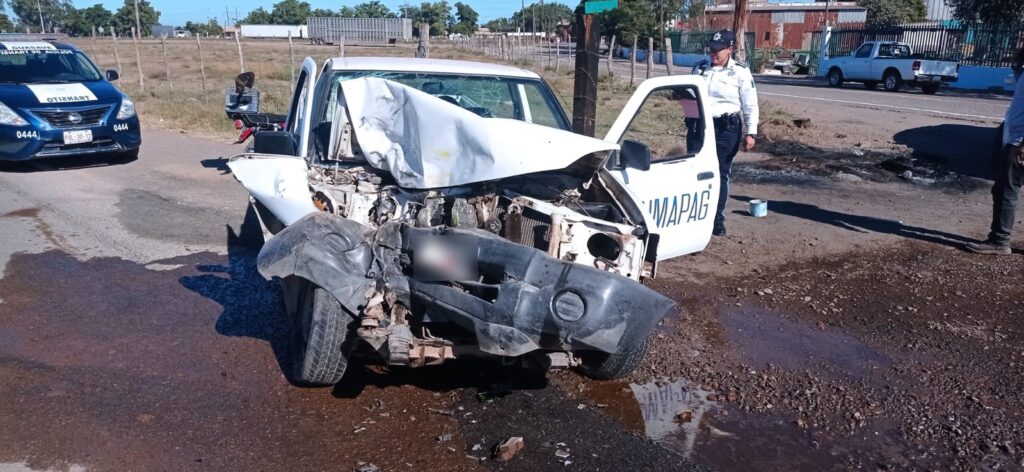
{"points": [[1005, 192]]}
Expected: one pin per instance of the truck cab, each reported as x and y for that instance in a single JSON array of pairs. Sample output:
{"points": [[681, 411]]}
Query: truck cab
{"points": [[892, 64]]}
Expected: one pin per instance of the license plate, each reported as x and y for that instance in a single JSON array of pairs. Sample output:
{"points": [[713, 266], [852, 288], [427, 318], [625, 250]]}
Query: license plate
{"points": [[78, 136]]}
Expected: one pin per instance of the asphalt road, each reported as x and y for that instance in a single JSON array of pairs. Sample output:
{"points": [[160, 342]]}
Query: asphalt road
{"points": [[876, 105]]}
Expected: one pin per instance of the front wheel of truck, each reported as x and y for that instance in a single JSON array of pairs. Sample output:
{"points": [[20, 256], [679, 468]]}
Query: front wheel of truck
{"points": [[320, 336], [604, 366]]}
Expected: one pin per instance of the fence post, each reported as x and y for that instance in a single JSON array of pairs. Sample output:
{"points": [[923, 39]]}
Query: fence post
{"points": [[668, 56], [650, 56], [632, 63], [558, 53], [202, 66], [138, 60], [611, 54], [95, 53], [117, 57], [238, 42], [291, 52], [341, 47], [423, 50], [167, 67]]}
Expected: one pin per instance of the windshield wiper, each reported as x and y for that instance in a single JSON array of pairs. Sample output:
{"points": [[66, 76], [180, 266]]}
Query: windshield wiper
{"points": [[54, 82]]}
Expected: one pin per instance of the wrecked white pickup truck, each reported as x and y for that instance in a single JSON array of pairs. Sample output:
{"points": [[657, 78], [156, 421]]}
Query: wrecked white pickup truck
{"points": [[421, 210]]}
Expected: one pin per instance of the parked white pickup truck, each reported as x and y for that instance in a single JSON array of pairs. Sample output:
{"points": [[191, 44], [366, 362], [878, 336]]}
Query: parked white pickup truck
{"points": [[892, 64]]}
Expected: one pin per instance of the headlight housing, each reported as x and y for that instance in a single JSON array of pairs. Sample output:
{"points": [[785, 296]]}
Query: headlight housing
{"points": [[127, 109], [9, 117]]}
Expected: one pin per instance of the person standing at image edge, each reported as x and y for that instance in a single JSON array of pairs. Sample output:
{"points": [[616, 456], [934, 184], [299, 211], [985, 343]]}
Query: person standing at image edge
{"points": [[732, 103], [1009, 173]]}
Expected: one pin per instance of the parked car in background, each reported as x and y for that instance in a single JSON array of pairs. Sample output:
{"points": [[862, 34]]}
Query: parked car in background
{"points": [[55, 102], [891, 64]]}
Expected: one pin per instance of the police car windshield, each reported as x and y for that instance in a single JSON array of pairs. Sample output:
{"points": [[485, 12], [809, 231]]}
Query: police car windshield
{"points": [[46, 67]]}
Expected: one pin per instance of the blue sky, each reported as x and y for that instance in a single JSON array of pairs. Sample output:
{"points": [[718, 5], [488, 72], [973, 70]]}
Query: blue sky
{"points": [[177, 12]]}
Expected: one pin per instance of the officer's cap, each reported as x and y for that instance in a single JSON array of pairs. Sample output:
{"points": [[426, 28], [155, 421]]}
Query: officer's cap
{"points": [[722, 40]]}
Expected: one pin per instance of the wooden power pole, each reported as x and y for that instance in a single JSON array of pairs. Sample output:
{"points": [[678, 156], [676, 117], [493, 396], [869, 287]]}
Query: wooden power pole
{"points": [[739, 26], [584, 97]]}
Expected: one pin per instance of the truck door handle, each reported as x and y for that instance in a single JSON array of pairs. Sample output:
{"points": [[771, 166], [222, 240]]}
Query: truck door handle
{"points": [[705, 176]]}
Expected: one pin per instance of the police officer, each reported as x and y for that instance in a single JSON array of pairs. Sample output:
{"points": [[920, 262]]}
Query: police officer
{"points": [[732, 102]]}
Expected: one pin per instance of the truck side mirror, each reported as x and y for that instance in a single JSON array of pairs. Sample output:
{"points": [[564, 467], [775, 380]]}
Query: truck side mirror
{"points": [[112, 75], [635, 155]]}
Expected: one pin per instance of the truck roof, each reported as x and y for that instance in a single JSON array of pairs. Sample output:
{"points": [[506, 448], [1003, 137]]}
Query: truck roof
{"points": [[431, 66]]}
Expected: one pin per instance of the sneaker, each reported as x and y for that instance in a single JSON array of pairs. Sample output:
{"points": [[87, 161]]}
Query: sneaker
{"points": [[989, 248], [718, 231]]}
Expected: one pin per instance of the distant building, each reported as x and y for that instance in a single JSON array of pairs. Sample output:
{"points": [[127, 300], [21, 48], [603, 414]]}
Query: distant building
{"points": [[939, 10], [788, 25]]}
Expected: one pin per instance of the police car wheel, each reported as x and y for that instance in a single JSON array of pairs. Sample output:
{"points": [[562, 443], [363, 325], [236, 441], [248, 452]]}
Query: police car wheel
{"points": [[835, 77]]}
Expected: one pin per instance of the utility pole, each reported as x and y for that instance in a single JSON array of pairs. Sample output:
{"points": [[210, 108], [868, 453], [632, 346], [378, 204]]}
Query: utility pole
{"points": [[739, 26], [42, 26], [826, 13], [522, 16], [138, 27], [584, 97]]}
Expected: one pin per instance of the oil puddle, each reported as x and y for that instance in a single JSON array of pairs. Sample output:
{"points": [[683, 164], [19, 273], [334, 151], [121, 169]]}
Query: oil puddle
{"points": [[763, 337]]}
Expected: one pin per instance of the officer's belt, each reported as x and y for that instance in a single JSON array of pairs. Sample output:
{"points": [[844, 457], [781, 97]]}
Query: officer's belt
{"points": [[727, 118]]}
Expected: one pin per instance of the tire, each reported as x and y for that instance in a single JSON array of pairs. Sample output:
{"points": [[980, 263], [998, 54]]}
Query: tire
{"points": [[835, 77], [891, 81], [930, 89], [871, 85], [320, 338], [602, 366]]}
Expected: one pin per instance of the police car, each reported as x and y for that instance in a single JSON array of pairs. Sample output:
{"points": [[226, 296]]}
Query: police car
{"points": [[55, 102]]}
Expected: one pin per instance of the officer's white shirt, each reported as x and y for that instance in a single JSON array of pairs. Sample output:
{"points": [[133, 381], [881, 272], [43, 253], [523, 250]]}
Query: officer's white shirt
{"points": [[731, 90]]}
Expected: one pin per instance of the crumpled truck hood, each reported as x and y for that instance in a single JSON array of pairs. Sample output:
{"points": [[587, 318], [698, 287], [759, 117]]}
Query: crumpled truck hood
{"points": [[426, 142]]}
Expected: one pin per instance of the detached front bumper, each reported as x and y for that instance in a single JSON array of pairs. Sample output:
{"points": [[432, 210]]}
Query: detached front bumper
{"points": [[40, 140], [522, 300]]}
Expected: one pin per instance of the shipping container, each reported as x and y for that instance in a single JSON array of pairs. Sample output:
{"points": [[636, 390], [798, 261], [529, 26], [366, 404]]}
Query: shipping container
{"points": [[274, 31], [326, 30]]}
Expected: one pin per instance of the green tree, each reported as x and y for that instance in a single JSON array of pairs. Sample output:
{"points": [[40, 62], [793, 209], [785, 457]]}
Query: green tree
{"points": [[632, 18], [993, 12], [6, 26], [500, 24], [81, 22], [324, 12], [438, 15], [54, 12], [124, 19], [259, 16], [347, 12], [291, 12], [210, 28], [882, 13], [372, 9], [547, 16], [467, 17]]}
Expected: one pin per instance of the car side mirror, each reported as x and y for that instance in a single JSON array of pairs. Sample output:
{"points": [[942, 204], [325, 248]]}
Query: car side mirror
{"points": [[112, 75], [274, 142], [635, 155]]}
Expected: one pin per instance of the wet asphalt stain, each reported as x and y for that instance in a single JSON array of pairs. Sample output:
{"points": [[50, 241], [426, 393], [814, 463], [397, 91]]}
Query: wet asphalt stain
{"points": [[39, 226], [155, 216]]}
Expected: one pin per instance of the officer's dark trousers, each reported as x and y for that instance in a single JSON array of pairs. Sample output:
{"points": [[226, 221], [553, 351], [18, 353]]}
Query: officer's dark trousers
{"points": [[728, 134], [1005, 192]]}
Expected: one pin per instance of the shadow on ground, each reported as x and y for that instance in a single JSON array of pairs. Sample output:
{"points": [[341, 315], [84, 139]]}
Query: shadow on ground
{"points": [[51, 164], [964, 149], [860, 223]]}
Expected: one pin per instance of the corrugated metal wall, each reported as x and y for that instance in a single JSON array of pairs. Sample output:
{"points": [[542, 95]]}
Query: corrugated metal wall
{"points": [[359, 30], [795, 27]]}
